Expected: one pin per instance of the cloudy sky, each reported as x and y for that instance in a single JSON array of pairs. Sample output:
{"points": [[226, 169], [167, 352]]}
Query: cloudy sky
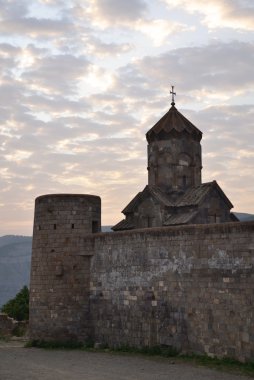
{"points": [[81, 82]]}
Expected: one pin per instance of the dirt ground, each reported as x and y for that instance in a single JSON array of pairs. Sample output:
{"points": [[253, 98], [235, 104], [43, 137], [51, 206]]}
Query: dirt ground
{"points": [[17, 362]]}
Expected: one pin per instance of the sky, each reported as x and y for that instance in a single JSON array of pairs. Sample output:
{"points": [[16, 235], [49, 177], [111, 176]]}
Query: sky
{"points": [[81, 82]]}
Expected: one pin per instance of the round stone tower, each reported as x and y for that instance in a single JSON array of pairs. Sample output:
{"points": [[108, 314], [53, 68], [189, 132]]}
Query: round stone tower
{"points": [[60, 268], [174, 153]]}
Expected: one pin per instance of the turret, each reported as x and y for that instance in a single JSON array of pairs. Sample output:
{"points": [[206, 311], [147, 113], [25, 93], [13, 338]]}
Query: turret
{"points": [[60, 268]]}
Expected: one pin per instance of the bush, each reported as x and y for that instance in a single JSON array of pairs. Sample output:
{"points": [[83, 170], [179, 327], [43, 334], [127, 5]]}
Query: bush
{"points": [[18, 307]]}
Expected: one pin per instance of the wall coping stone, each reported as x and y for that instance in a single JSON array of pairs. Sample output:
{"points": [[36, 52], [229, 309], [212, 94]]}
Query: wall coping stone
{"points": [[63, 195], [179, 230]]}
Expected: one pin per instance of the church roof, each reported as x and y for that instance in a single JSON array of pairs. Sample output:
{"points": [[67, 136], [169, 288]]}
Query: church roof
{"points": [[173, 120], [195, 195], [183, 218], [155, 192], [123, 225]]}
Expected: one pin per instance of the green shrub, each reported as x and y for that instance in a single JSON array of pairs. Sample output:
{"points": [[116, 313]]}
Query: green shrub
{"points": [[18, 307], [20, 330]]}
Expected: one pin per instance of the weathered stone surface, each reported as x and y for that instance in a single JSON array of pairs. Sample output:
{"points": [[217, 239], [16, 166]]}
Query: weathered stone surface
{"points": [[60, 269], [188, 287], [175, 194], [9, 325]]}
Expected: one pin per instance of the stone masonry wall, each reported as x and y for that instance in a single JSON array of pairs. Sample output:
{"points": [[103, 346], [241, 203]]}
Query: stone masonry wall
{"points": [[7, 325], [60, 273], [189, 287]]}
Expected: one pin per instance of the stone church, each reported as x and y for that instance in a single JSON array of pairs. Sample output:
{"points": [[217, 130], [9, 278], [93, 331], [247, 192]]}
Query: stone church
{"points": [[175, 194], [182, 286]]}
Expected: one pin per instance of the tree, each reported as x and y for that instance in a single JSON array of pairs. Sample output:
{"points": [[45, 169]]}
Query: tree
{"points": [[18, 307]]}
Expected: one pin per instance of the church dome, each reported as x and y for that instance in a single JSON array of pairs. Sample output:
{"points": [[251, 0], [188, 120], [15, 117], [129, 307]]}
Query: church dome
{"points": [[173, 122]]}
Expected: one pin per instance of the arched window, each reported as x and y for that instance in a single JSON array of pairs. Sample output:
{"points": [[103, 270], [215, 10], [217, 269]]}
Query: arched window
{"points": [[184, 159]]}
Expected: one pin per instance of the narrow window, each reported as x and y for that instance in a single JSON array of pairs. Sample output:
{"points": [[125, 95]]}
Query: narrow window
{"points": [[214, 218], [72, 226], [54, 226], [95, 226], [217, 218], [184, 181], [150, 221]]}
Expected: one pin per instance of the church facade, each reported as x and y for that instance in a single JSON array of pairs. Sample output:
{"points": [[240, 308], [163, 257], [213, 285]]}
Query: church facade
{"points": [[175, 194]]}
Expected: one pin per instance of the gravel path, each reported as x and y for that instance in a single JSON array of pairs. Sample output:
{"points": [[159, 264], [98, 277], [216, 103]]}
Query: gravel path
{"points": [[18, 363]]}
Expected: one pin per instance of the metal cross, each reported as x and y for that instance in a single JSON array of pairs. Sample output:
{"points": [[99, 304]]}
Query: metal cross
{"points": [[173, 94]]}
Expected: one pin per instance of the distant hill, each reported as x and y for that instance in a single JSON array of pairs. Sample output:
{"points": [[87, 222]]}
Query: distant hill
{"points": [[106, 229], [243, 217], [15, 258]]}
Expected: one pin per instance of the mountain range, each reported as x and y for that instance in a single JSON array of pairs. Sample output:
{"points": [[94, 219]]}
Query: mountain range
{"points": [[15, 258]]}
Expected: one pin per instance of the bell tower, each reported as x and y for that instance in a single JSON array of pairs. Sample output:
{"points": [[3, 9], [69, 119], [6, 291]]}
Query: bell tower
{"points": [[174, 152]]}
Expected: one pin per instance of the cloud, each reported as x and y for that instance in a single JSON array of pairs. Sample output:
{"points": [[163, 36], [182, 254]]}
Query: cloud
{"points": [[12, 9], [34, 27], [99, 48], [82, 82], [227, 146], [15, 20], [233, 14], [158, 30], [57, 73], [133, 15], [217, 71], [116, 12]]}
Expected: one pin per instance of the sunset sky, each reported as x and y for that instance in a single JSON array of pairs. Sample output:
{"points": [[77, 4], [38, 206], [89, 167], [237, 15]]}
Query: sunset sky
{"points": [[81, 82]]}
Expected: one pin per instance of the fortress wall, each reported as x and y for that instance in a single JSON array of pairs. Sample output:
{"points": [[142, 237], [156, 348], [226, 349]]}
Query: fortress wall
{"points": [[190, 287]]}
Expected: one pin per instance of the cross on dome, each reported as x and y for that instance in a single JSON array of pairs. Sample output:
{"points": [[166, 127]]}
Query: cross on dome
{"points": [[173, 95]]}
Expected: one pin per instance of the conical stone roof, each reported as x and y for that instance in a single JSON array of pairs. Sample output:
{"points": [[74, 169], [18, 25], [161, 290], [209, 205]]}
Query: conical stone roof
{"points": [[173, 121]]}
